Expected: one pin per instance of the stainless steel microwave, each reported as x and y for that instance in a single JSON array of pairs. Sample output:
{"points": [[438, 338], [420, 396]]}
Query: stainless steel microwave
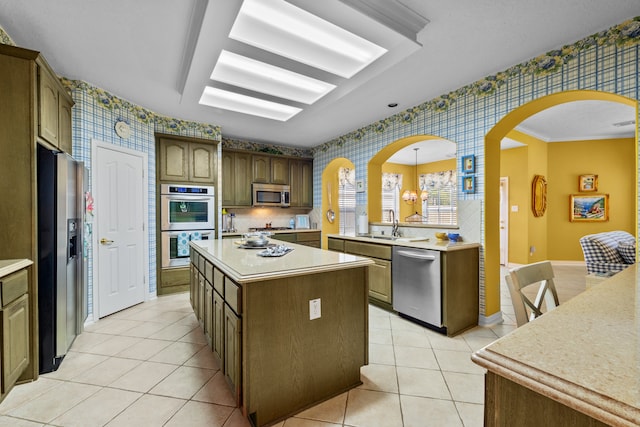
{"points": [[271, 195]]}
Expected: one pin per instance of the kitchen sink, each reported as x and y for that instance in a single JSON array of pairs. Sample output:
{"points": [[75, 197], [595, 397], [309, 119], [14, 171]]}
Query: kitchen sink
{"points": [[393, 238]]}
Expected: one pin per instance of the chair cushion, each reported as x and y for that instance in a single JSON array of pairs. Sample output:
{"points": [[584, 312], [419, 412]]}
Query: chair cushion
{"points": [[627, 251]]}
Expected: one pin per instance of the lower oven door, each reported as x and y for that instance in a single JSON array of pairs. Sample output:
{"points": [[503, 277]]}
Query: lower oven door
{"points": [[175, 246]]}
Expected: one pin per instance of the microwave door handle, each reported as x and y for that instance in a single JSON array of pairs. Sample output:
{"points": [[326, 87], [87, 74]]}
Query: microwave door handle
{"points": [[282, 198]]}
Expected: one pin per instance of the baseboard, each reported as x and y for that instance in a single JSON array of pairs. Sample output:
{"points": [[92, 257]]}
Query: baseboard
{"points": [[494, 319]]}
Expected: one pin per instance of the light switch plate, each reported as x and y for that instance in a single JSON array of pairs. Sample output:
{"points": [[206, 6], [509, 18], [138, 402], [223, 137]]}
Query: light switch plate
{"points": [[314, 309]]}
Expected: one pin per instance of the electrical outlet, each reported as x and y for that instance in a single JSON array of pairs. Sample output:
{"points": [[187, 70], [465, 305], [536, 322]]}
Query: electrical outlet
{"points": [[532, 250], [315, 310]]}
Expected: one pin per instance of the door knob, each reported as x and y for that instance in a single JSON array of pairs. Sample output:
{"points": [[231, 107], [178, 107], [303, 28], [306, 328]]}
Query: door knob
{"points": [[105, 241]]}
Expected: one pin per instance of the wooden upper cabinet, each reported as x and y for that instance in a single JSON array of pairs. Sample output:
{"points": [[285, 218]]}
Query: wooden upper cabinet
{"points": [[201, 164], [185, 161], [261, 169], [301, 179], [64, 125], [279, 170], [236, 179], [54, 110], [48, 107], [174, 157]]}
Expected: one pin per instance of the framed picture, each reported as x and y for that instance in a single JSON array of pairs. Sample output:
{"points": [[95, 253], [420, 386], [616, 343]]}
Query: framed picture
{"points": [[588, 183], [469, 164], [469, 184], [359, 186], [589, 208]]}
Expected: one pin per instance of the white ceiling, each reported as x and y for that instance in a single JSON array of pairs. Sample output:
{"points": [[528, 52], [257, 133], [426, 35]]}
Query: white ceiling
{"points": [[160, 53]]}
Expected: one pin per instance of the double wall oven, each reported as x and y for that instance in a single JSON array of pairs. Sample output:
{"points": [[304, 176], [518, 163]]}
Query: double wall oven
{"points": [[187, 213]]}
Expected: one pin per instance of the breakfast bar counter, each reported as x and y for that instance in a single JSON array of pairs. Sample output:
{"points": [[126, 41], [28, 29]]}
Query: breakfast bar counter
{"points": [[288, 331], [576, 365]]}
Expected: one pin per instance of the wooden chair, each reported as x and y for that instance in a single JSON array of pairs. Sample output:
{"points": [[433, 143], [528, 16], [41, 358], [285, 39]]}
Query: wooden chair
{"points": [[521, 277]]}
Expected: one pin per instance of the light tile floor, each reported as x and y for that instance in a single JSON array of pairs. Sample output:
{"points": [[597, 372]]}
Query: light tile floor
{"points": [[149, 366]]}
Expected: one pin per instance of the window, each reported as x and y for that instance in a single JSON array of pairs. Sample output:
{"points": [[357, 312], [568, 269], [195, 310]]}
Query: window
{"points": [[391, 184], [347, 201], [442, 205]]}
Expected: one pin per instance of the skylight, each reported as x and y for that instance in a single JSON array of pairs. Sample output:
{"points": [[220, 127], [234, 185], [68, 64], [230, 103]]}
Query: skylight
{"points": [[286, 30], [258, 76], [227, 100]]}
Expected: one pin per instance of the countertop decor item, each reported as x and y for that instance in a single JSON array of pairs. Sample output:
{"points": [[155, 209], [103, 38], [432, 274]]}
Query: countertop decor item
{"points": [[453, 236], [441, 236]]}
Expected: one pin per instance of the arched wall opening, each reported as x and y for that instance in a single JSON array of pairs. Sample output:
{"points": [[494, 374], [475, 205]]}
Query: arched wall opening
{"points": [[374, 172], [330, 191], [492, 179]]}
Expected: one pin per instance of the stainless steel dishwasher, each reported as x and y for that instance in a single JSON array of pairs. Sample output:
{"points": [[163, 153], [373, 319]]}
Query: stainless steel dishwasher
{"points": [[417, 290]]}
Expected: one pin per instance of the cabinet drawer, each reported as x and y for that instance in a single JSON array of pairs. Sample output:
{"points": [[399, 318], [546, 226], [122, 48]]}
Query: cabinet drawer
{"points": [[195, 259], [308, 237], [14, 286], [336, 245], [208, 271], [368, 249], [218, 281], [233, 295]]}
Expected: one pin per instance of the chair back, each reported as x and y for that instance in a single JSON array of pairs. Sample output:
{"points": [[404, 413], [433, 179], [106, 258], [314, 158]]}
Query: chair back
{"points": [[521, 277]]}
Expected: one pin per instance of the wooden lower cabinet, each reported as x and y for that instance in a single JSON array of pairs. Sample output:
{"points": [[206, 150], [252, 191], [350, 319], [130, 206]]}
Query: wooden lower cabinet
{"points": [[201, 303], [306, 238], [15, 341], [232, 340], [208, 312], [380, 280], [172, 280], [217, 345]]}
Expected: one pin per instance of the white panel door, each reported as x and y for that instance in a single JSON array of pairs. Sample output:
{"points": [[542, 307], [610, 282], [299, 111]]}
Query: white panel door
{"points": [[120, 197]]}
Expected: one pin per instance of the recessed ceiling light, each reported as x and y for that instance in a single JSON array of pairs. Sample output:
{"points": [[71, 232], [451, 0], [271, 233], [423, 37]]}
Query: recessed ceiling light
{"points": [[392, 104], [286, 30], [251, 74], [625, 123], [226, 100]]}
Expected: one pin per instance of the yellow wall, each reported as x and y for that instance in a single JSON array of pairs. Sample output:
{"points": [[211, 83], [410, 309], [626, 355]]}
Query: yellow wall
{"points": [[330, 183], [513, 164], [614, 161], [537, 162], [409, 180], [553, 235], [408, 183]]}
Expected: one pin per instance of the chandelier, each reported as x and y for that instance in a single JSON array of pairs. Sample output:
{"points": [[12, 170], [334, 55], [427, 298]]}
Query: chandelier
{"points": [[411, 196]]}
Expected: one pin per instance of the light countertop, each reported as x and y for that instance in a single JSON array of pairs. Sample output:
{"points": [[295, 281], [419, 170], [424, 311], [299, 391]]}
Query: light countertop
{"points": [[8, 266], [245, 265], [584, 354], [412, 242]]}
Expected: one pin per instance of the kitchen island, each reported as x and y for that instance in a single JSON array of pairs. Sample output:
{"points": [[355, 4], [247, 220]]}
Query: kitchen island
{"points": [[576, 365], [289, 331]]}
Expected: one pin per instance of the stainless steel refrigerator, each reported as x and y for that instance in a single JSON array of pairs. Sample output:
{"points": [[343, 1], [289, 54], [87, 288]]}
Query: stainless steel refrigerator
{"points": [[61, 284]]}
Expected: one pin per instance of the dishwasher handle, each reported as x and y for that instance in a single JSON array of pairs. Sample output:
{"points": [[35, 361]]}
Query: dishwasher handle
{"points": [[416, 255]]}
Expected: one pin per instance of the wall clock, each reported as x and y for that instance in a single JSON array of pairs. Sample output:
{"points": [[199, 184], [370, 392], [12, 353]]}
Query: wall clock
{"points": [[122, 129]]}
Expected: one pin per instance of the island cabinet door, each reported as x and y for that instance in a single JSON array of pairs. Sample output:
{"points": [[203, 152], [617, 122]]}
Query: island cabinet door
{"points": [[217, 345], [232, 337], [380, 280], [208, 312], [201, 282], [193, 288]]}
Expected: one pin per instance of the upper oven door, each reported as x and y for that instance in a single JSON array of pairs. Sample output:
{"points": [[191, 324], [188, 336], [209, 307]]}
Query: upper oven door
{"points": [[182, 212]]}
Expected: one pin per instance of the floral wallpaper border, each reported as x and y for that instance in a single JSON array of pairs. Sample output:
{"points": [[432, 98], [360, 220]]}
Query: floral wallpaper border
{"points": [[5, 39], [624, 34], [237, 144]]}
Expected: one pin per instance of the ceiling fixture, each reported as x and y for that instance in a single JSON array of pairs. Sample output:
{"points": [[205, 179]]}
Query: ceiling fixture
{"points": [[258, 76], [233, 101], [286, 30], [411, 196], [625, 123], [392, 104]]}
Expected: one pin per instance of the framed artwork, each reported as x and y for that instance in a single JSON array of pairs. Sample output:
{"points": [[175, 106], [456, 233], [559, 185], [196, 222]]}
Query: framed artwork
{"points": [[469, 184], [359, 185], [588, 183], [589, 208], [469, 164]]}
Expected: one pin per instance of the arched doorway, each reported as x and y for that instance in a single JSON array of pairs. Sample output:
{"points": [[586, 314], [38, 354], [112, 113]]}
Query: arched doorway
{"points": [[492, 179], [330, 191]]}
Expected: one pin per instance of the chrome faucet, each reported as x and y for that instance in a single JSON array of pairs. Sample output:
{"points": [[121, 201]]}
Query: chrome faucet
{"points": [[394, 224]]}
